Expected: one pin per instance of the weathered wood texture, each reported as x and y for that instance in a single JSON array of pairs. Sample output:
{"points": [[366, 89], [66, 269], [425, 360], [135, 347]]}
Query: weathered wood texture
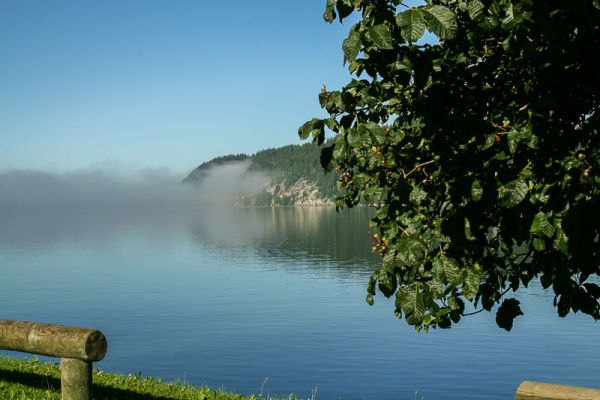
{"points": [[53, 340], [547, 391], [75, 379]]}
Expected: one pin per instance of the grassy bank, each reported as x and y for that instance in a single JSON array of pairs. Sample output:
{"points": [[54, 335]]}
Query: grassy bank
{"points": [[32, 379]]}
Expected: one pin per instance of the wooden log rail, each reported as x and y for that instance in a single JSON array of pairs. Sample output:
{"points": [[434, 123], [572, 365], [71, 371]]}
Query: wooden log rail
{"points": [[547, 391], [76, 347]]}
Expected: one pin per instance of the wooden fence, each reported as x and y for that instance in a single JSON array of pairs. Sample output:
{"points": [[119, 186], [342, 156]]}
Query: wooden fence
{"points": [[77, 348], [548, 391]]}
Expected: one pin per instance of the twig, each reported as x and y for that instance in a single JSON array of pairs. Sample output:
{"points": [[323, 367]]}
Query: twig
{"points": [[474, 312], [495, 125], [416, 168]]}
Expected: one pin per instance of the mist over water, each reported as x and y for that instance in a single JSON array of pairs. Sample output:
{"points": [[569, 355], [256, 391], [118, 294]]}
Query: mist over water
{"points": [[114, 186]]}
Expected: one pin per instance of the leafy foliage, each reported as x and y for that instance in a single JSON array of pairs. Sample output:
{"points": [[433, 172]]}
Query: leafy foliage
{"points": [[483, 149]]}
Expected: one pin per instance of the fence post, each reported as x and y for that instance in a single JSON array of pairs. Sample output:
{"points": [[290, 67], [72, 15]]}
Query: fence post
{"points": [[75, 379], [76, 348]]}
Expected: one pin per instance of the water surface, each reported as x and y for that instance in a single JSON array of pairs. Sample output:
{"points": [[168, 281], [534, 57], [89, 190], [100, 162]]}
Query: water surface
{"points": [[229, 296]]}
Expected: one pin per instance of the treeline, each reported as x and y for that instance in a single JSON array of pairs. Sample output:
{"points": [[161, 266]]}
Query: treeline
{"points": [[296, 176], [201, 172]]}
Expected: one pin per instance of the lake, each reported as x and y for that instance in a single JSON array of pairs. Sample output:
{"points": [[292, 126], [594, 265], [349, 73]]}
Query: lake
{"points": [[230, 296]]}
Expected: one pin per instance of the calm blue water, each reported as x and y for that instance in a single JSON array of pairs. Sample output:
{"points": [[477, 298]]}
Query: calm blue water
{"points": [[228, 297]]}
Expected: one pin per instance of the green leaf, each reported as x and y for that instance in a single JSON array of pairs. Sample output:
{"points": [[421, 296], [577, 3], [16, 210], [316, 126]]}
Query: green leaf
{"points": [[344, 8], [332, 124], [412, 304], [561, 244], [513, 193], [381, 36], [441, 21], [513, 137], [340, 148], [305, 130], [592, 289], [476, 191], [471, 283], [379, 194], [513, 141], [354, 138], [387, 284], [542, 225], [329, 14], [326, 156], [404, 65], [491, 21], [475, 9], [330, 100], [318, 132], [455, 316], [434, 289], [351, 46], [539, 244], [417, 195], [428, 319], [489, 141], [365, 136], [509, 20], [507, 312], [373, 130], [533, 142], [359, 180], [456, 304], [382, 212], [412, 24], [389, 260], [391, 230], [444, 269], [468, 233], [410, 250]]}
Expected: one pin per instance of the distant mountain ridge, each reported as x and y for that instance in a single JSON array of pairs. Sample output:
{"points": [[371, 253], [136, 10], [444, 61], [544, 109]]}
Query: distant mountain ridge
{"points": [[295, 173]]}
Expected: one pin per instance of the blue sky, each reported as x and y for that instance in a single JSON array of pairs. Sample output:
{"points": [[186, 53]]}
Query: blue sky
{"points": [[159, 84]]}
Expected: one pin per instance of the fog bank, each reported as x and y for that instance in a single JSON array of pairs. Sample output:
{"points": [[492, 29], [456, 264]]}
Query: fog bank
{"points": [[113, 186]]}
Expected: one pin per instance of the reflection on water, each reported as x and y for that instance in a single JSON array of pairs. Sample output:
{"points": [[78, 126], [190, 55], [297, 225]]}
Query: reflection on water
{"points": [[228, 296], [318, 233], [324, 240]]}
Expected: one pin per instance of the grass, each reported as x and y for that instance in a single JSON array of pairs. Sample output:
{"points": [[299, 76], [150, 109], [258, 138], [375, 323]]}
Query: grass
{"points": [[22, 379]]}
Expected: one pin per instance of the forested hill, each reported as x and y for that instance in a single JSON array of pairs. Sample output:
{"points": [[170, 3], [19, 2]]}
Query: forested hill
{"points": [[296, 176]]}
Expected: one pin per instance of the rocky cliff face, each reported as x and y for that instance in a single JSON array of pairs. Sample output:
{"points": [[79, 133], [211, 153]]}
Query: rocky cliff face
{"points": [[299, 193]]}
